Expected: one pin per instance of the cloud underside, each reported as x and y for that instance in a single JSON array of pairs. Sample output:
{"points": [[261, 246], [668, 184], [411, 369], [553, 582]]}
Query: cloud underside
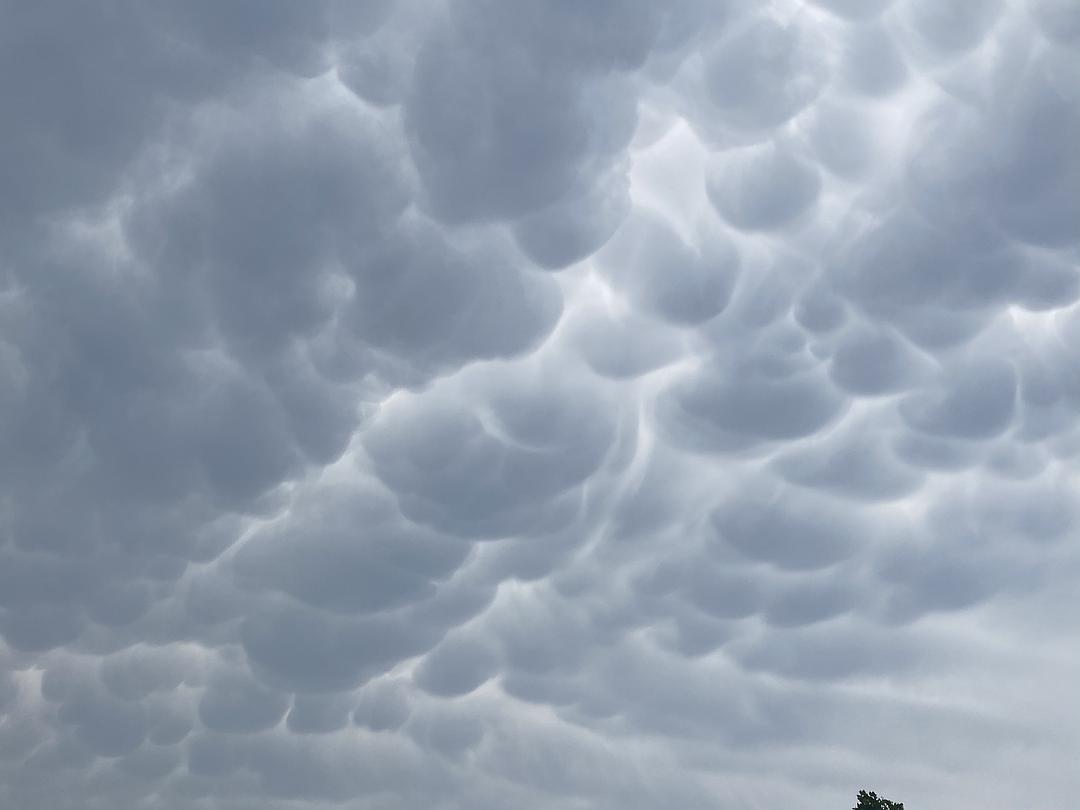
{"points": [[472, 404]]}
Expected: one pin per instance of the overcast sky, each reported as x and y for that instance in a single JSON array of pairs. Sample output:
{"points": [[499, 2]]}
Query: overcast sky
{"points": [[539, 404]]}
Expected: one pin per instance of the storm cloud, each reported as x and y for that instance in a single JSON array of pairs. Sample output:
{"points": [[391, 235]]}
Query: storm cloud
{"points": [[474, 405]]}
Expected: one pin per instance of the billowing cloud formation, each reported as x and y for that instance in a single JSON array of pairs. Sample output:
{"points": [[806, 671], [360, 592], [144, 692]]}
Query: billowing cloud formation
{"points": [[479, 404]]}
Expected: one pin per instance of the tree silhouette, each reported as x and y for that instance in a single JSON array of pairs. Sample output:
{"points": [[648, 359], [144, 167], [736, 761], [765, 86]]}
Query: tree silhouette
{"points": [[868, 800]]}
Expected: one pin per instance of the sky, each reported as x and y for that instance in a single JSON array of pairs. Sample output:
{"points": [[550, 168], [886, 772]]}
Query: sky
{"points": [[539, 404]]}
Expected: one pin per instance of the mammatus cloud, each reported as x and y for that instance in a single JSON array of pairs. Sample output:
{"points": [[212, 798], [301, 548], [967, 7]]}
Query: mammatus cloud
{"points": [[539, 404]]}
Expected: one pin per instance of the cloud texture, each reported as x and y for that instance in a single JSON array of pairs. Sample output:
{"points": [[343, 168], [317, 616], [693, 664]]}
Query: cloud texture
{"points": [[474, 405]]}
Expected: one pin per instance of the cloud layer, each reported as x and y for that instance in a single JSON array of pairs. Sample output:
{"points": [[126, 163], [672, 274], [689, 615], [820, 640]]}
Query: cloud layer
{"points": [[470, 404]]}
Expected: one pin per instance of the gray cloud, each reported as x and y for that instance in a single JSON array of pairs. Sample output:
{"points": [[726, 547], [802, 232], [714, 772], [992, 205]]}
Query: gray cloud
{"points": [[464, 404], [762, 188], [668, 278]]}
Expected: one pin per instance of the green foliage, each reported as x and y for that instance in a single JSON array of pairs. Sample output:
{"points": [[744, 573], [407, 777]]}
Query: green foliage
{"points": [[868, 800]]}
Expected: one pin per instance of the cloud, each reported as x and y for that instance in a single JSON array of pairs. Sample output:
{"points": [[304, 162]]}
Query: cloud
{"points": [[465, 404], [760, 73], [849, 10], [762, 188], [234, 703], [665, 276], [456, 667], [788, 535], [510, 464], [347, 567], [713, 408]]}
